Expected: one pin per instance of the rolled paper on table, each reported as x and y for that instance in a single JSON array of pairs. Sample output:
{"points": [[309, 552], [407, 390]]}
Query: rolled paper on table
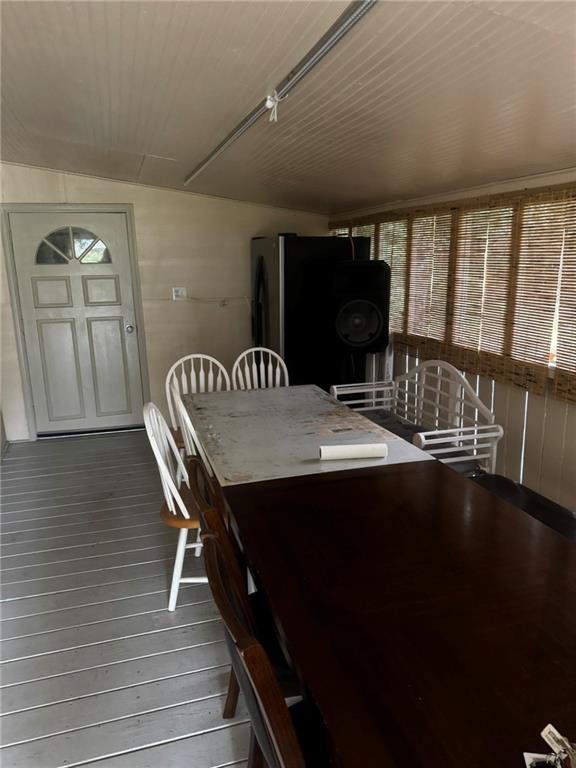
{"points": [[362, 451]]}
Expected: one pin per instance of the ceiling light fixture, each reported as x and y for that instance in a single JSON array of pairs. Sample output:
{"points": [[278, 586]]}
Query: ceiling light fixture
{"points": [[341, 27]]}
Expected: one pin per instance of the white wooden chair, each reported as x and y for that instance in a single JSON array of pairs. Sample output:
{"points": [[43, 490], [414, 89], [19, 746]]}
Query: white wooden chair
{"points": [[180, 508], [435, 407], [195, 373], [192, 445], [259, 368]]}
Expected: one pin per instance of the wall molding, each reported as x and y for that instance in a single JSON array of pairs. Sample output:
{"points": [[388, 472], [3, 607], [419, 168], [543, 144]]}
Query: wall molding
{"points": [[564, 176]]}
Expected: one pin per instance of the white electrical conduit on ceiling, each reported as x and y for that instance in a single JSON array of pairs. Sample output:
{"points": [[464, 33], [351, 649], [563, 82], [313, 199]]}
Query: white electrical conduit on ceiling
{"points": [[337, 31]]}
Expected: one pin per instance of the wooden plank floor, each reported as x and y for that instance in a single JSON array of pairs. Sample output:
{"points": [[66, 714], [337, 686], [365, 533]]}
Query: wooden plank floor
{"points": [[95, 670]]}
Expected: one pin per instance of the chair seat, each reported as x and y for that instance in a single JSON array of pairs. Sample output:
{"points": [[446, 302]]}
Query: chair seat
{"points": [[393, 424], [267, 637], [467, 466], [311, 733], [178, 520], [547, 511]]}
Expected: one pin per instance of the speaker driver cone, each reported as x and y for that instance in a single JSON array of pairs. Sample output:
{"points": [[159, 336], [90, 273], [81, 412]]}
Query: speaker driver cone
{"points": [[359, 322]]}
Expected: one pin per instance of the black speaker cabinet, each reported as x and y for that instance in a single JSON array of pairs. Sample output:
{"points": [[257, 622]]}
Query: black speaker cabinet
{"points": [[361, 305], [321, 303], [340, 317]]}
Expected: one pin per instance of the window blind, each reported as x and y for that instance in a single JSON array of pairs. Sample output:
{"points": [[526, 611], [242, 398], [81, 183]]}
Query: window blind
{"points": [[566, 340], [428, 278], [392, 241], [539, 257], [484, 241], [368, 230], [487, 284]]}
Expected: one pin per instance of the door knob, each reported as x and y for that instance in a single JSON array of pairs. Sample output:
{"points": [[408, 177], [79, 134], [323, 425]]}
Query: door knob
{"points": [[129, 329]]}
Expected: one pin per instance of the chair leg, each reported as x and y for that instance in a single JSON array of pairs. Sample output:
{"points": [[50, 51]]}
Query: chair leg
{"points": [[178, 565], [198, 550], [232, 696], [255, 756]]}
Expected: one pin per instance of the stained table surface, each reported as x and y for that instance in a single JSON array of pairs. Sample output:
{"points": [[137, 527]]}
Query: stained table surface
{"points": [[264, 434], [433, 623]]}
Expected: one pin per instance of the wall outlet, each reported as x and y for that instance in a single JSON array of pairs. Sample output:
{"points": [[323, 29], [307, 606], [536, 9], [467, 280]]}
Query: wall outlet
{"points": [[178, 294]]}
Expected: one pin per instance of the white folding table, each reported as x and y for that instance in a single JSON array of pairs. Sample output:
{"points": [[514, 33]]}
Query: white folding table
{"points": [[265, 434]]}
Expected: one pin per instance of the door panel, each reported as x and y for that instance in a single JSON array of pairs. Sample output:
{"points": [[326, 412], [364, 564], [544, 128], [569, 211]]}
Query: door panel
{"points": [[61, 374], [109, 365], [101, 291], [75, 286], [51, 292]]}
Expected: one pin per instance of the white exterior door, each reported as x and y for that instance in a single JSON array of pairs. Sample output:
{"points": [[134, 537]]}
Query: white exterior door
{"points": [[75, 287]]}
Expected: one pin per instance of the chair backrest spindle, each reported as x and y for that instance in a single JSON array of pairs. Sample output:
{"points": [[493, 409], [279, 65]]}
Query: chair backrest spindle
{"points": [[259, 368], [195, 373], [192, 444], [171, 466], [435, 394]]}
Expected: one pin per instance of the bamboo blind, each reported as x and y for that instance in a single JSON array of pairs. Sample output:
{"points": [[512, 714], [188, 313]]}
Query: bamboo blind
{"points": [[480, 279], [368, 230], [428, 278], [392, 248], [489, 285]]}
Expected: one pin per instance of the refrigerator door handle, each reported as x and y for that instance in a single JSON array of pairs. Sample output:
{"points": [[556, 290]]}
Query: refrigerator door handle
{"points": [[258, 305]]}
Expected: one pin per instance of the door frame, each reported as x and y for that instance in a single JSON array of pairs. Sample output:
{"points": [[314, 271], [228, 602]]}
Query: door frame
{"points": [[128, 210]]}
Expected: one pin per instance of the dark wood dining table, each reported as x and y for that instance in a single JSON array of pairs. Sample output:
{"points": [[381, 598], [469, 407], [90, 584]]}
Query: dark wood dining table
{"points": [[433, 624]]}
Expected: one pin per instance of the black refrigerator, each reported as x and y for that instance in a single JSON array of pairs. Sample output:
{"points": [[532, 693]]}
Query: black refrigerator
{"points": [[297, 288]]}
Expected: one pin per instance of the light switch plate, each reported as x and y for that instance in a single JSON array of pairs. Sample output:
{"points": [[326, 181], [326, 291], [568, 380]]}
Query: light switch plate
{"points": [[178, 294]]}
